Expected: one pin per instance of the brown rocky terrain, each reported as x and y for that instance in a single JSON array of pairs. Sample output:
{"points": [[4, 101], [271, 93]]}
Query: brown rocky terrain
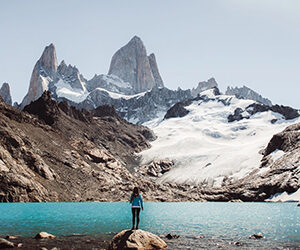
{"points": [[53, 152]]}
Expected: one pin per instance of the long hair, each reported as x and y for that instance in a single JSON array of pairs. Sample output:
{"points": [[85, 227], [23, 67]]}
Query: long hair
{"points": [[135, 192]]}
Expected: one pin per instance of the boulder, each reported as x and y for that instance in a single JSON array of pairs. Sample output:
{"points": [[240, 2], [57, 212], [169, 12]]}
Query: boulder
{"points": [[172, 236], [44, 235], [136, 239], [6, 244], [256, 236]]}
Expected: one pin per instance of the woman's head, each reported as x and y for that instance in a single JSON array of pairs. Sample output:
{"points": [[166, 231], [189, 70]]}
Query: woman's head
{"points": [[136, 191]]}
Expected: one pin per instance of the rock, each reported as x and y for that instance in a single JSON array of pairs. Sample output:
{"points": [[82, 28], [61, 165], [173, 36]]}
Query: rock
{"points": [[11, 237], [5, 93], [137, 239], [156, 168], [132, 65], [237, 116], [6, 244], [178, 110], [44, 235], [247, 93], [44, 72], [237, 243], [45, 108], [111, 83], [71, 75], [202, 86], [172, 236], [154, 68], [256, 236]]}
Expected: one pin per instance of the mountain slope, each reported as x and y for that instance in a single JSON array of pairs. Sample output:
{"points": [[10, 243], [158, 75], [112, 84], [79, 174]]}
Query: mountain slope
{"points": [[54, 152], [206, 148]]}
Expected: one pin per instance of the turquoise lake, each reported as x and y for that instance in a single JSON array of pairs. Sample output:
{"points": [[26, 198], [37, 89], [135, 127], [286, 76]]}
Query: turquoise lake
{"points": [[276, 221]]}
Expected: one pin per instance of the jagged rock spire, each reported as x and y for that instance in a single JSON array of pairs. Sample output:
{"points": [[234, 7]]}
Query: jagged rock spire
{"points": [[44, 71], [132, 65], [5, 93], [157, 78]]}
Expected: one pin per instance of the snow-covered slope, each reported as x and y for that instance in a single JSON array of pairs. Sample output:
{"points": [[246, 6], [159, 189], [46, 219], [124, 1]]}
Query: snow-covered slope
{"points": [[205, 147]]}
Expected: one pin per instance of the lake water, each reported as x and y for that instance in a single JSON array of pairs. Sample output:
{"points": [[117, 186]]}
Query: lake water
{"points": [[278, 222]]}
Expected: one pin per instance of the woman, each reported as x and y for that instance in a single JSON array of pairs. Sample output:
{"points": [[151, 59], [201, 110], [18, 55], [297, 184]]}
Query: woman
{"points": [[136, 201]]}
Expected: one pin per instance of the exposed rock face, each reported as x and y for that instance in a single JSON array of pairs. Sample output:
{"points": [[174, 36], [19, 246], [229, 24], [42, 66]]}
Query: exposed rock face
{"points": [[154, 68], [137, 239], [287, 112], [247, 93], [140, 108], [178, 110], [156, 168], [202, 86], [44, 72], [70, 74], [132, 65], [111, 83], [5, 93]]}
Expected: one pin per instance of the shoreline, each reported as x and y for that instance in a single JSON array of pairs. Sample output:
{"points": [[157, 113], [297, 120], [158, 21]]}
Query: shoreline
{"points": [[102, 241]]}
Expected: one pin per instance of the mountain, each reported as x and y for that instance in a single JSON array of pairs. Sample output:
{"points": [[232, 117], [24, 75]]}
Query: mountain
{"points": [[54, 152], [202, 86], [247, 93], [5, 93], [131, 64], [43, 73], [210, 151], [121, 88]]}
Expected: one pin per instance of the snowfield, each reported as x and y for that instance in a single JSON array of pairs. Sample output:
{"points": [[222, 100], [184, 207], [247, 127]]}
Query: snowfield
{"points": [[206, 148]]}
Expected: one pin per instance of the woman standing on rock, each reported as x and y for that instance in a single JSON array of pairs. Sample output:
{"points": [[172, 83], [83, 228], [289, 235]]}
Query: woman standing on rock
{"points": [[136, 201]]}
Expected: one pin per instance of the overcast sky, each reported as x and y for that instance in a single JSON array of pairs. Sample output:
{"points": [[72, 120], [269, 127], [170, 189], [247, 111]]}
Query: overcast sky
{"points": [[239, 42]]}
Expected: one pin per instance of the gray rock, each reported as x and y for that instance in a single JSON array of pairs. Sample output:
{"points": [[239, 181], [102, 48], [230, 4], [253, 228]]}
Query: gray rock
{"points": [[132, 65], [6, 244], [257, 236], [70, 74], [44, 235], [111, 83], [154, 68], [202, 86], [5, 93], [136, 239], [247, 93], [43, 73]]}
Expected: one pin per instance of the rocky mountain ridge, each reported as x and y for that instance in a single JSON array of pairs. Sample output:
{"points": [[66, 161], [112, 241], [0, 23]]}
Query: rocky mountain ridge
{"points": [[247, 93], [133, 85], [5, 93]]}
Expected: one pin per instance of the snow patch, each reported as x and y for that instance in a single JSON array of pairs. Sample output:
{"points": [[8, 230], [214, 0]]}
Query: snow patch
{"points": [[285, 197], [206, 148], [65, 90]]}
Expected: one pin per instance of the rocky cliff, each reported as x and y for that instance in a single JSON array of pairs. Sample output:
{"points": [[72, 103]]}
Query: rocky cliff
{"points": [[131, 64], [247, 93], [5, 93], [43, 73], [205, 85]]}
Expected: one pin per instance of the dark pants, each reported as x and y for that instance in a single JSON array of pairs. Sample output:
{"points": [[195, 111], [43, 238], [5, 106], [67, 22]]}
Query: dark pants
{"points": [[135, 212]]}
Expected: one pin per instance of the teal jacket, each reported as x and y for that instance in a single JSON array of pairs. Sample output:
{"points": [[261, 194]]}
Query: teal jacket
{"points": [[136, 201]]}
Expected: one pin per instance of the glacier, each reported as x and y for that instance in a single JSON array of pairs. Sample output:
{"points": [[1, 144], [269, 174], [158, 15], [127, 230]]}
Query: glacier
{"points": [[207, 149]]}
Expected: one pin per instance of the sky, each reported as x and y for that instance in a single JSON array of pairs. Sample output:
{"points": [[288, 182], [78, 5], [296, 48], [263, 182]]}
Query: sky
{"points": [[238, 42]]}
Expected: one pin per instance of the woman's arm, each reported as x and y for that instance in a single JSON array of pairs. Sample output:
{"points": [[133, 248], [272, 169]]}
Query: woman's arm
{"points": [[141, 199], [131, 198]]}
